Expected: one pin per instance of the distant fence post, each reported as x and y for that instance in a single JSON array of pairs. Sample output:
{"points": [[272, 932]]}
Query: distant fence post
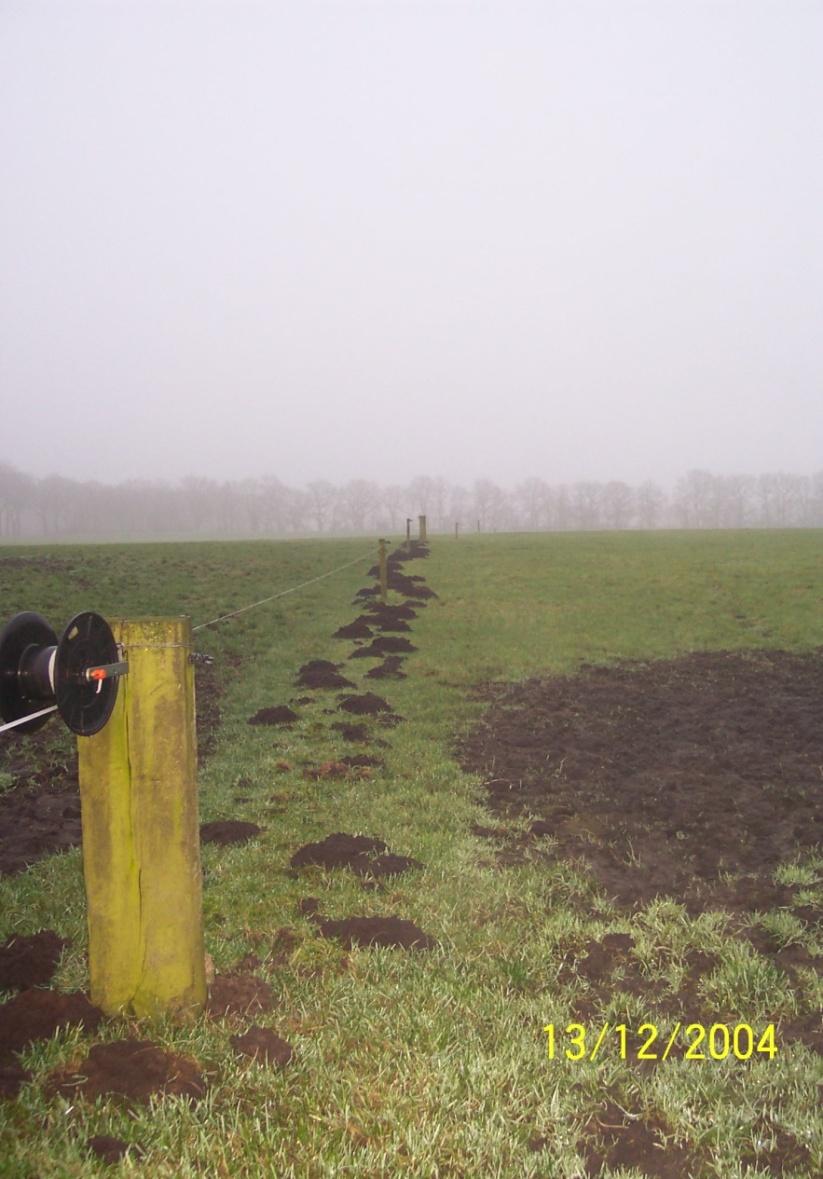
{"points": [[141, 841], [384, 572], [421, 527], [456, 529], [408, 532]]}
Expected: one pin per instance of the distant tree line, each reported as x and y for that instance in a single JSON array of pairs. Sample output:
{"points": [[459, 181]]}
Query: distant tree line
{"points": [[55, 507]]}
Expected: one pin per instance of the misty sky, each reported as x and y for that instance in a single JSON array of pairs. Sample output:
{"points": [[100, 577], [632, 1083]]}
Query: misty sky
{"points": [[574, 240]]}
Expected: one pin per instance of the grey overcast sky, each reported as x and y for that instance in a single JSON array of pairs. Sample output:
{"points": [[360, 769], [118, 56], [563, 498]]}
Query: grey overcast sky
{"points": [[569, 239]]}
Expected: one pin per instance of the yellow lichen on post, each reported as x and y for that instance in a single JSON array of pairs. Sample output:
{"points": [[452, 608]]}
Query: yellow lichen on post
{"points": [[384, 571], [141, 847]]}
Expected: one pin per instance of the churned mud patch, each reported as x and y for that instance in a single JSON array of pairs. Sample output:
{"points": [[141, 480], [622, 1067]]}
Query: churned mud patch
{"points": [[281, 714], [364, 855], [227, 831], [359, 629], [132, 1070], [614, 1138], [30, 961], [663, 777], [37, 819], [37, 1014], [262, 1045], [384, 645], [238, 994], [322, 673], [111, 1150], [364, 704], [389, 669]]}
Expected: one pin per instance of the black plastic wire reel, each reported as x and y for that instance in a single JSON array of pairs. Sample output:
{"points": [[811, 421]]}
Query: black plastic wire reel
{"points": [[76, 675]]}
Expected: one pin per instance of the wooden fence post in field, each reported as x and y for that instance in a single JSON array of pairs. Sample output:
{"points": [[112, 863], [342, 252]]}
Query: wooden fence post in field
{"points": [[408, 532], [141, 842], [421, 523], [456, 530], [384, 572]]}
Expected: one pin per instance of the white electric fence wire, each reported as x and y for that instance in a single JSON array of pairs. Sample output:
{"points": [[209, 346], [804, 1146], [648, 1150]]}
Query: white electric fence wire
{"points": [[292, 590], [21, 720]]}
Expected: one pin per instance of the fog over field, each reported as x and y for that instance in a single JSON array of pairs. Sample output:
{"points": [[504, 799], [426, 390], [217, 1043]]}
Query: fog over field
{"points": [[373, 241]]}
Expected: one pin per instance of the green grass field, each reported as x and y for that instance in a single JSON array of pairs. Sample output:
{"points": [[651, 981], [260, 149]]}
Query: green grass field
{"points": [[417, 1064]]}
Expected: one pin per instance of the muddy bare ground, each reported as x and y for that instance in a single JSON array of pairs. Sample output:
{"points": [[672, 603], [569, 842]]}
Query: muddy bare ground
{"points": [[692, 778], [614, 1138], [662, 777], [29, 961], [40, 813]]}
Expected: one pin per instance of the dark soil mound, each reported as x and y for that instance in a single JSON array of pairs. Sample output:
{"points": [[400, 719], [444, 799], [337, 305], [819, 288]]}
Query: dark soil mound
{"points": [[663, 776], [131, 1069], [361, 760], [389, 669], [112, 1150], [363, 855], [226, 831], [380, 613], [320, 673], [12, 1076], [326, 770], [337, 850], [36, 820], [615, 1139], [352, 732], [366, 704], [280, 715], [238, 994], [359, 629], [367, 592], [263, 1045], [37, 1014], [29, 961], [377, 931], [383, 645], [395, 625]]}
